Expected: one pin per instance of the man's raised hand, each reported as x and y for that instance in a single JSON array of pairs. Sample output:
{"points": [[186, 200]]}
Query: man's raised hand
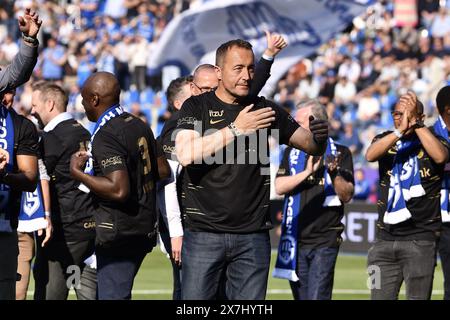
{"points": [[247, 122]]}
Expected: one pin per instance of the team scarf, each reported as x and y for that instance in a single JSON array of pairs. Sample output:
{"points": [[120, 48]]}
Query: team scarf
{"points": [[405, 182], [285, 267], [440, 128], [112, 112], [6, 143], [32, 213]]}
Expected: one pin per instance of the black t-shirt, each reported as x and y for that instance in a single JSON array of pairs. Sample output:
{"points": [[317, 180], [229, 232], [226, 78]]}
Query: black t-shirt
{"points": [[232, 195], [425, 222], [319, 226], [25, 143], [126, 143], [72, 209]]}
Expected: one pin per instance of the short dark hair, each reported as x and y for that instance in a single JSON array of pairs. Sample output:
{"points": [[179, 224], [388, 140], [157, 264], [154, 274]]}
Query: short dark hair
{"points": [[443, 99], [223, 49], [174, 89]]}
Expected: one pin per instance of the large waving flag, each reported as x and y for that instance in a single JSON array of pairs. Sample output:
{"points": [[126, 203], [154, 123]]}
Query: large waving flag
{"points": [[192, 37]]}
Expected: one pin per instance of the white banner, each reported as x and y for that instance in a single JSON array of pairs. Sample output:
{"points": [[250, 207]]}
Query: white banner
{"points": [[192, 37]]}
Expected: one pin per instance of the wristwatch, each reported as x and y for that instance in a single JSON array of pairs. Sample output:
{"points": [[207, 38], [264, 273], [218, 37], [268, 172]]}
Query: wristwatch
{"points": [[33, 41]]}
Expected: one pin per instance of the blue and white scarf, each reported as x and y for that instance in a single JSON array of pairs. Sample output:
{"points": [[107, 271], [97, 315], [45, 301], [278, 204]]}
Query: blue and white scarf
{"points": [[6, 143], [285, 267], [440, 128], [32, 213], [405, 182], [114, 111]]}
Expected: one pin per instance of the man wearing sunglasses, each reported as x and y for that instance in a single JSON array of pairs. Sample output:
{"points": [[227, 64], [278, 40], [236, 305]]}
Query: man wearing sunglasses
{"points": [[411, 165]]}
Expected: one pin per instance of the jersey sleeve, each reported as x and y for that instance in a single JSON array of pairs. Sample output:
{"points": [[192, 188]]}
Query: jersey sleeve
{"points": [[345, 163], [283, 169], [190, 117], [109, 153], [284, 123], [28, 138]]}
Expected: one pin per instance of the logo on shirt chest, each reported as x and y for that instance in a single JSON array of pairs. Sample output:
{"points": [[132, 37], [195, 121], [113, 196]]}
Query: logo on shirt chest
{"points": [[216, 114]]}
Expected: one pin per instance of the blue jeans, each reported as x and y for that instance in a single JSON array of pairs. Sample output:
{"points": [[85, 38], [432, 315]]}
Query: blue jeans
{"points": [[115, 276], [243, 258], [315, 269]]}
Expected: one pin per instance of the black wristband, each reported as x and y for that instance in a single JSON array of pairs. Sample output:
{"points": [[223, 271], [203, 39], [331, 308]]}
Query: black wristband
{"points": [[33, 41], [346, 175], [333, 174]]}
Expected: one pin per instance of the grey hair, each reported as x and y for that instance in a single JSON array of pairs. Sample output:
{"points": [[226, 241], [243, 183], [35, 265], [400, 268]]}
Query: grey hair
{"points": [[318, 110]]}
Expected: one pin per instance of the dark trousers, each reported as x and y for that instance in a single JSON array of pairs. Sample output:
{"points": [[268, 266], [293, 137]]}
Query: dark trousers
{"points": [[9, 250], [244, 258], [60, 265], [176, 269], [444, 254], [392, 262], [315, 270], [116, 275]]}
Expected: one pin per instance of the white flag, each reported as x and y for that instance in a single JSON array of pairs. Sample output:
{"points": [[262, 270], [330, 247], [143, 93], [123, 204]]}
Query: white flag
{"points": [[193, 37]]}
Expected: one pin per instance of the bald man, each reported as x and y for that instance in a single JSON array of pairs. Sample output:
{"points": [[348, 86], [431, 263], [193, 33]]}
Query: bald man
{"points": [[120, 171]]}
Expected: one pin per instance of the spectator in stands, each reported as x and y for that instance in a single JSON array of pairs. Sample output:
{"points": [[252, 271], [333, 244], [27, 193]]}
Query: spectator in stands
{"points": [[53, 59], [362, 186], [350, 138]]}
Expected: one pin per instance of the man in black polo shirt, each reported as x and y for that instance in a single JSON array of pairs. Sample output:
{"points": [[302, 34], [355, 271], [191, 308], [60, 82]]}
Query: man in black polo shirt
{"points": [[123, 181], [203, 80], [226, 185], [18, 153], [411, 163], [71, 209], [313, 210]]}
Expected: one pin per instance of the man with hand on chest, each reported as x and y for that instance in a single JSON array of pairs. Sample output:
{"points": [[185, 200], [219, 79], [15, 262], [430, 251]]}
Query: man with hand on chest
{"points": [[222, 143]]}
